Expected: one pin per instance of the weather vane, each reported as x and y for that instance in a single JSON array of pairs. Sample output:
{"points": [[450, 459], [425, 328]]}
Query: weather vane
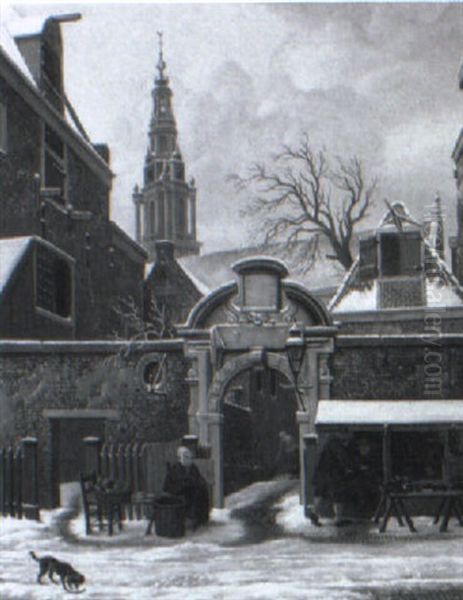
{"points": [[161, 64]]}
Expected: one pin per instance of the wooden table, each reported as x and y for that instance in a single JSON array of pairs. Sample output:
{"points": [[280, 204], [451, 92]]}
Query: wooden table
{"points": [[394, 503]]}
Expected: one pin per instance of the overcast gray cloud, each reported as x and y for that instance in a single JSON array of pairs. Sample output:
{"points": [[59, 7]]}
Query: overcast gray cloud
{"points": [[376, 80]]}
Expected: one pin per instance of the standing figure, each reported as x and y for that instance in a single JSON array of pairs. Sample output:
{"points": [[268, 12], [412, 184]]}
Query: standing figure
{"points": [[184, 480], [287, 458], [333, 475]]}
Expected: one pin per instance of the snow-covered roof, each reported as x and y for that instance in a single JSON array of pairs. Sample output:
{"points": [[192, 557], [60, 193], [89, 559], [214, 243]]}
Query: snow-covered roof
{"points": [[9, 47], [27, 26], [441, 286], [149, 267], [199, 285], [202, 288], [385, 412], [14, 25], [11, 252]]}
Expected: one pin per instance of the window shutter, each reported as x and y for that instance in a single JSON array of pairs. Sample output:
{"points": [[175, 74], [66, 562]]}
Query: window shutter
{"points": [[411, 253], [390, 254], [368, 258]]}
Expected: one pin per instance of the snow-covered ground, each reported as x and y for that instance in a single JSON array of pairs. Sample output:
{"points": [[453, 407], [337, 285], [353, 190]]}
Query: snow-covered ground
{"points": [[259, 547]]}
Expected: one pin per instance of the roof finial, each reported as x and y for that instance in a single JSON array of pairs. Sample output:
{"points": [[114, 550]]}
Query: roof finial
{"points": [[161, 64]]}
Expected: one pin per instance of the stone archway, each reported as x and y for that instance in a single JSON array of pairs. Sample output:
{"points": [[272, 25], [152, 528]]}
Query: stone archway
{"points": [[248, 323], [278, 362], [213, 420]]}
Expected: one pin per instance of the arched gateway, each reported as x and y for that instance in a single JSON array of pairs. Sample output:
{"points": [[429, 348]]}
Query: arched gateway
{"points": [[242, 332]]}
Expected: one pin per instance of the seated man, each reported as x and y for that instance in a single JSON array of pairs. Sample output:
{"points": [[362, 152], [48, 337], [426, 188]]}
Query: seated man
{"points": [[184, 479]]}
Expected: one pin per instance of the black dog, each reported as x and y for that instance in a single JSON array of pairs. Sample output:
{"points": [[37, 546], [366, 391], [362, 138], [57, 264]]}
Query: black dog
{"points": [[70, 579]]}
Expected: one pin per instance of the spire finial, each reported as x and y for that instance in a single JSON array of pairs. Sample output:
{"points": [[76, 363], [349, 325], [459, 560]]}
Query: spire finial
{"points": [[161, 64]]}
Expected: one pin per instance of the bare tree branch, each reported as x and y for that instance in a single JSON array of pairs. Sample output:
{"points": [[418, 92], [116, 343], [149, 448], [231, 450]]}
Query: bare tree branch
{"points": [[302, 196]]}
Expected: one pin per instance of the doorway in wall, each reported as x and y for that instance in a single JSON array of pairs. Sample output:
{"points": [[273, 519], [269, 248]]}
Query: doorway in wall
{"points": [[67, 448], [259, 408]]}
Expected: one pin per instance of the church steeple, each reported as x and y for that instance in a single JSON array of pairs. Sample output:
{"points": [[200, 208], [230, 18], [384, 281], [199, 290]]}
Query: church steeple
{"points": [[163, 129], [166, 207]]}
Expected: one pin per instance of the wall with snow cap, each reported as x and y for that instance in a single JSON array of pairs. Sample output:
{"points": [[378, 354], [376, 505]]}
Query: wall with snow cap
{"points": [[37, 378]]}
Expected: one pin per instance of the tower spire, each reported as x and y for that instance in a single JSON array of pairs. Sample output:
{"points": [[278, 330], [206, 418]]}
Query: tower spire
{"points": [[161, 63]]}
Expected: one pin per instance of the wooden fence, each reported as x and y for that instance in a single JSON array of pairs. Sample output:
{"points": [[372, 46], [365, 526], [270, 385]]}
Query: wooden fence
{"points": [[141, 468], [19, 480]]}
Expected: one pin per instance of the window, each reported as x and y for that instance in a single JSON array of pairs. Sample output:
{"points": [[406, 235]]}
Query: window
{"points": [[152, 225], [162, 143], [401, 253], [149, 174], [159, 168], [181, 216], [368, 258], [54, 175], [154, 376], [160, 220], [179, 171], [53, 283], [3, 132]]}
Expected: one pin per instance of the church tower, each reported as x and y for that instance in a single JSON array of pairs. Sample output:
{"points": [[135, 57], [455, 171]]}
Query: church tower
{"points": [[166, 205]]}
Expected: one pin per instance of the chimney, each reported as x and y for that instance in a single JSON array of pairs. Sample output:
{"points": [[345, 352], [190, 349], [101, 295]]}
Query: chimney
{"points": [[164, 251]]}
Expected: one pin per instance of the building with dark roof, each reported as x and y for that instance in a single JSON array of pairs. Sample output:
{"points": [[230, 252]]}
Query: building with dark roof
{"points": [[55, 192]]}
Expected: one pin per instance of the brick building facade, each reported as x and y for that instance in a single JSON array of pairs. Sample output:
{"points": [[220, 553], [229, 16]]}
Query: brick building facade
{"points": [[55, 185]]}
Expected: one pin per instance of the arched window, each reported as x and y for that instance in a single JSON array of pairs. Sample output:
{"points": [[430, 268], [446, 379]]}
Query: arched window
{"points": [[152, 219], [161, 212]]}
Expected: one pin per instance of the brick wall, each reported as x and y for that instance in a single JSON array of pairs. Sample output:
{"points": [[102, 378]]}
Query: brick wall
{"points": [[104, 270], [391, 367], [93, 376]]}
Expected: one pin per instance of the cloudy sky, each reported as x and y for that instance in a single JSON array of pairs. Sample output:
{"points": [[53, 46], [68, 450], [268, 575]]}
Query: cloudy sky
{"points": [[376, 80]]}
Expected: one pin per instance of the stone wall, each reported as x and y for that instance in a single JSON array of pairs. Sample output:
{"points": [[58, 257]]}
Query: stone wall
{"points": [[39, 381], [397, 367]]}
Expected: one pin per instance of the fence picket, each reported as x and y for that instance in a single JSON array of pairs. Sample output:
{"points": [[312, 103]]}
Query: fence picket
{"points": [[129, 475], [18, 469], [2, 483], [9, 482]]}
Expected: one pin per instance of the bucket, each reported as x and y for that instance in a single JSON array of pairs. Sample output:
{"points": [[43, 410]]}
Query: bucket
{"points": [[169, 516]]}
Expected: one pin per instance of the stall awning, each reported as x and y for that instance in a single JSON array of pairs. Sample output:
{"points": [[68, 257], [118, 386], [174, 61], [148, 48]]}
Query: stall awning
{"points": [[389, 412]]}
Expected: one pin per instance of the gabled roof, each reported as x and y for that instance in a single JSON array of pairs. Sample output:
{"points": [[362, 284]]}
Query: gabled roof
{"points": [[15, 65], [9, 47], [441, 286], [199, 285]]}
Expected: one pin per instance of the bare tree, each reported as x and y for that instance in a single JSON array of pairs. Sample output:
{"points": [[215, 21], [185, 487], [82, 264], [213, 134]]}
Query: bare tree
{"points": [[302, 197], [135, 328]]}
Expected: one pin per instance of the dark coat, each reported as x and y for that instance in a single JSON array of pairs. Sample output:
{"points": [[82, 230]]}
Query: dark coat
{"points": [[189, 484], [334, 471]]}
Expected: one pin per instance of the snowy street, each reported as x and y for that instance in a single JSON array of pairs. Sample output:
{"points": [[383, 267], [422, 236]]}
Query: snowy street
{"points": [[279, 556]]}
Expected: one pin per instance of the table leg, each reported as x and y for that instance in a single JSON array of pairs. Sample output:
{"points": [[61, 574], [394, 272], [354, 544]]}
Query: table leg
{"points": [[407, 517], [439, 511], [446, 515], [457, 511], [380, 509], [398, 512], [387, 515]]}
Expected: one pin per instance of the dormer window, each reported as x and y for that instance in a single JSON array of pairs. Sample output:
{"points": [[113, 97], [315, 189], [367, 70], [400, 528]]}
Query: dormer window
{"points": [[401, 253]]}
